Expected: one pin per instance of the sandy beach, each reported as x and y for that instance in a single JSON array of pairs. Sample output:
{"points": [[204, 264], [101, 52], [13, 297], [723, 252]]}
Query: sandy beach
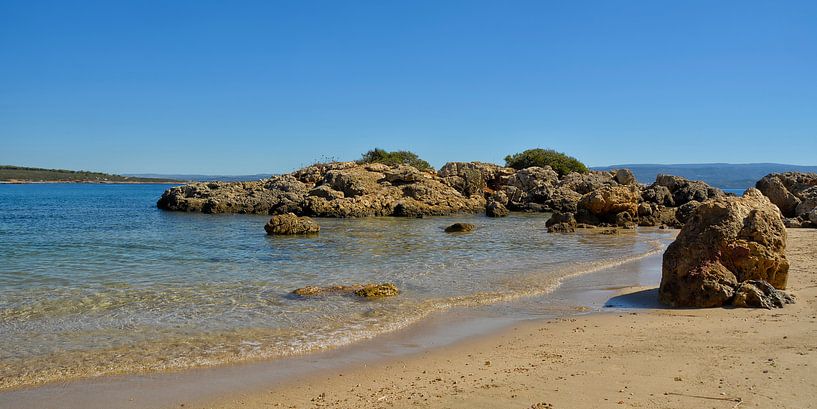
{"points": [[631, 357]]}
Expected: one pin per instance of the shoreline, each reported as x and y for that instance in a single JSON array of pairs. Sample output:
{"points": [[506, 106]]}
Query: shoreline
{"points": [[574, 294], [636, 354]]}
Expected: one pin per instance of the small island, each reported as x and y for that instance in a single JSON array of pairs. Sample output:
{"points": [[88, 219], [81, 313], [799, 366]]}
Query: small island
{"points": [[21, 174]]}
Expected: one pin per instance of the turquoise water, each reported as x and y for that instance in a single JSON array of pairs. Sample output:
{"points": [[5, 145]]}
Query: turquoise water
{"points": [[95, 280]]}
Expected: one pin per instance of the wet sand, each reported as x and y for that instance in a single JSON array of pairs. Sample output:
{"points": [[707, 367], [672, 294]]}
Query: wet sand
{"points": [[632, 354]]}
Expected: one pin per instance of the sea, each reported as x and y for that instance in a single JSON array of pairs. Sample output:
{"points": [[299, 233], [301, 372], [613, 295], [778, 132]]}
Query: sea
{"points": [[95, 280]]}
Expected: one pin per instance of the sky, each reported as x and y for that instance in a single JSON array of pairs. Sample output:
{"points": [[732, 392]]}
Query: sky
{"points": [[244, 87]]}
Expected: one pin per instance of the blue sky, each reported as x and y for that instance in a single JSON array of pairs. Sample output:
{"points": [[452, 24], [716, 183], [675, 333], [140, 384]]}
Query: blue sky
{"points": [[248, 87]]}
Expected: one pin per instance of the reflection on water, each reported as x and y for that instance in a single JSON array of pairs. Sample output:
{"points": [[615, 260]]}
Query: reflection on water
{"points": [[94, 279]]}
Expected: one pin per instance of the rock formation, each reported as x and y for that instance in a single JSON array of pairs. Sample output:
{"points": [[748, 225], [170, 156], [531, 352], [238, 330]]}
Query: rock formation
{"points": [[795, 193], [726, 242], [290, 224], [349, 189], [342, 189]]}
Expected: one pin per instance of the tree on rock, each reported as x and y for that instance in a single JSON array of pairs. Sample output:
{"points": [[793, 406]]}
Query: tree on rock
{"points": [[561, 163], [385, 157]]}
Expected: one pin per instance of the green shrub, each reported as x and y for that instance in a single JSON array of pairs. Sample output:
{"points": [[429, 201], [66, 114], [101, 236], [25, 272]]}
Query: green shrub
{"points": [[560, 162], [378, 155]]}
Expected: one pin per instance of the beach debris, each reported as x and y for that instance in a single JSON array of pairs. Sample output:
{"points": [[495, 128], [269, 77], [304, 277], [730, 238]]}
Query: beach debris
{"points": [[460, 228], [290, 224], [723, 398], [724, 243], [360, 290]]}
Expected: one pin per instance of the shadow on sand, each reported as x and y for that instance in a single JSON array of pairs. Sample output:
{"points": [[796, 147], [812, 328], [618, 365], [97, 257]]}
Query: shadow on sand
{"points": [[640, 299]]}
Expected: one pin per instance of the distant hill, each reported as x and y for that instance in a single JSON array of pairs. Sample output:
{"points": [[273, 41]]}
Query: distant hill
{"points": [[722, 175], [204, 178], [20, 174]]}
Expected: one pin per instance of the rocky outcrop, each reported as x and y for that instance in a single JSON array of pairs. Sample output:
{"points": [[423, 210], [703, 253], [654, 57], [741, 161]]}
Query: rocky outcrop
{"points": [[279, 194], [460, 228], [360, 290], [349, 189], [726, 241], [342, 189], [795, 193], [290, 224]]}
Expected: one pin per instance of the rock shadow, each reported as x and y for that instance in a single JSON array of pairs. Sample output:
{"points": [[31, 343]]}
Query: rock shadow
{"points": [[640, 299]]}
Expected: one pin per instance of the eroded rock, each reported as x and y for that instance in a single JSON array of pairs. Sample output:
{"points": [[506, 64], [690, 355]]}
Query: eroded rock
{"points": [[760, 294], [725, 242]]}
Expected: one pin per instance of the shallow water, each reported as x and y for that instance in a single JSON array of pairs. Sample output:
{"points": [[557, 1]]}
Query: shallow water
{"points": [[95, 280]]}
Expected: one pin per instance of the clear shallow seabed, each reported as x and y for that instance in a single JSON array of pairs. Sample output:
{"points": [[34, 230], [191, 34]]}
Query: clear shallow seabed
{"points": [[95, 280]]}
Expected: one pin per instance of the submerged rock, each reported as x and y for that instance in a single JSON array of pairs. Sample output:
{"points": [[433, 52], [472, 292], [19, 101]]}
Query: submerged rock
{"points": [[377, 290], [360, 290], [460, 228], [311, 290], [725, 242], [290, 224]]}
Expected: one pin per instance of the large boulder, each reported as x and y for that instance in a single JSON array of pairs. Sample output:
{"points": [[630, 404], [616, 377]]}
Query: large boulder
{"points": [[795, 193], [625, 177], [290, 224], [725, 242]]}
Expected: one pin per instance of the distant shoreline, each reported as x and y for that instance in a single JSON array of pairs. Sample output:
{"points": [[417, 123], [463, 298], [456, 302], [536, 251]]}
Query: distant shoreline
{"points": [[88, 182]]}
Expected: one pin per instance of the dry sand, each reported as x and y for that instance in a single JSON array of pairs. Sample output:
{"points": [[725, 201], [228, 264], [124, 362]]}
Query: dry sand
{"points": [[636, 357]]}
